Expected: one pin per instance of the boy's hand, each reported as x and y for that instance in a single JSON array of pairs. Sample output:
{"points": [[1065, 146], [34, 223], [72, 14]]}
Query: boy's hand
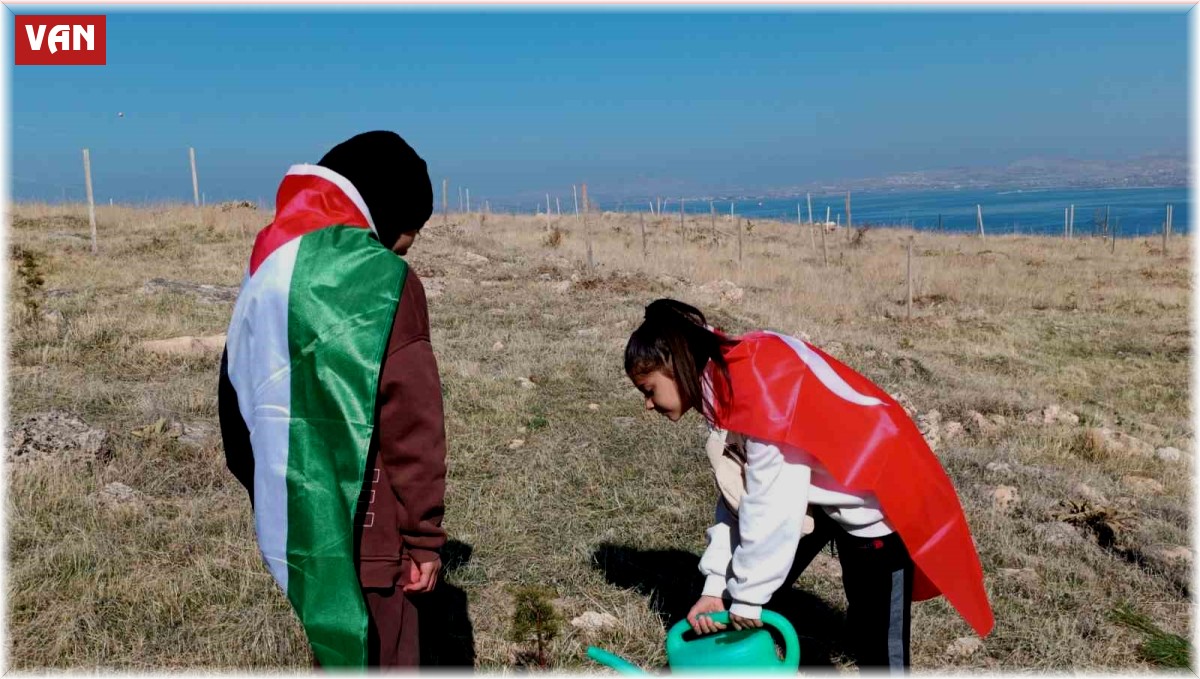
{"points": [[702, 623], [739, 622], [422, 577]]}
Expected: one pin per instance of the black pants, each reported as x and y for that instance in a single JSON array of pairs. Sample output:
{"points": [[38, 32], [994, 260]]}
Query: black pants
{"points": [[877, 575]]}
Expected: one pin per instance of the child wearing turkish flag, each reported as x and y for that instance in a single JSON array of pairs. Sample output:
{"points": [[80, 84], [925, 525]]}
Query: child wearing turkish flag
{"points": [[806, 451]]}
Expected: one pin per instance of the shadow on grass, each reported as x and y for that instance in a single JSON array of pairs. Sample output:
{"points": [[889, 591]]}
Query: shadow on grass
{"points": [[672, 581], [447, 639]]}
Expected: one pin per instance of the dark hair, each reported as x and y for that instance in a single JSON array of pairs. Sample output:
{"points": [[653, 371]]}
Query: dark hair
{"points": [[674, 336]]}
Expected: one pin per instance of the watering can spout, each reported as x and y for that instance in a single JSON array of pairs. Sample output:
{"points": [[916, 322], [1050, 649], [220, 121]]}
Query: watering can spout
{"points": [[621, 665]]}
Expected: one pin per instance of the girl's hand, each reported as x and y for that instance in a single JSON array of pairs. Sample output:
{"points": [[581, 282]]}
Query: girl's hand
{"points": [[739, 622], [699, 620]]}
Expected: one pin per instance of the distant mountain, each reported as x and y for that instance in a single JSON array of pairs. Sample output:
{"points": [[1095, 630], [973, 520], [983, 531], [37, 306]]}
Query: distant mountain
{"points": [[1031, 173]]}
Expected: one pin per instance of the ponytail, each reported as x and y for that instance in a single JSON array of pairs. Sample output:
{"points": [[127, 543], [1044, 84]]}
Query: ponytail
{"points": [[675, 337]]}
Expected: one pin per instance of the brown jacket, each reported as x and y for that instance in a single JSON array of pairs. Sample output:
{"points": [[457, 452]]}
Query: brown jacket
{"points": [[402, 505], [400, 511]]}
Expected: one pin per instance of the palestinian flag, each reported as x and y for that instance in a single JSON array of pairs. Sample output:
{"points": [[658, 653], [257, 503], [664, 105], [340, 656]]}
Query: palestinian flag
{"points": [[788, 391], [305, 347]]}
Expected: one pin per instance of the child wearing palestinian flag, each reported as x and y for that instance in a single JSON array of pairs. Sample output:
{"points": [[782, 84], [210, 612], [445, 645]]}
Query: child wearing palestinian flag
{"points": [[806, 451], [330, 403]]}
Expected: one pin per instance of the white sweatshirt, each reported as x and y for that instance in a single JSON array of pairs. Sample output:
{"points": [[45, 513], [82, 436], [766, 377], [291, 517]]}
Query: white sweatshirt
{"points": [[749, 555]]}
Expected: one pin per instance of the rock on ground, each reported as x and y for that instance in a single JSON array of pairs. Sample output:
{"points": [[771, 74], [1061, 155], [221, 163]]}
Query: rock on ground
{"points": [[1005, 498], [1107, 441], [198, 434], [1170, 454], [727, 291], [979, 425], [1052, 414], [186, 345], [930, 425], [623, 422], [906, 403], [434, 287], [964, 647], [118, 495], [57, 434], [470, 259], [593, 621], [952, 430], [1141, 485], [1088, 493], [208, 294], [1175, 555], [1025, 576], [1058, 533]]}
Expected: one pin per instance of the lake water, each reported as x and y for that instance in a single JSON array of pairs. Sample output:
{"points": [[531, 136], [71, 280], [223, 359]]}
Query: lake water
{"points": [[1133, 212]]}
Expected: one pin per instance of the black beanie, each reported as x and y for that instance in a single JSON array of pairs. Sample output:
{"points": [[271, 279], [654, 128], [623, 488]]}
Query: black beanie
{"points": [[391, 178]]}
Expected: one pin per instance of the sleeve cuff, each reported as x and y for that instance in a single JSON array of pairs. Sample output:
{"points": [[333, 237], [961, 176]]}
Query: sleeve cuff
{"points": [[742, 610], [714, 585], [423, 555]]}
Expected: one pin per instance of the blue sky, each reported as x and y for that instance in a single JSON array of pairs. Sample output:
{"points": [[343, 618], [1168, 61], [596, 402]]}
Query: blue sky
{"points": [[514, 103]]}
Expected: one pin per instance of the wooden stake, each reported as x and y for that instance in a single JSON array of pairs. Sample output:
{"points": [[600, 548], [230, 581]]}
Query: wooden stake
{"points": [[712, 213], [87, 178], [1071, 225], [1164, 235], [460, 200], [824, 247], [445, 182], [547, 211], [738, 225], [812, 236], [810, 208], [849, 224], [979, 218], [557, 207], [731, 209], [910, 282], [468, 200], [576, 197], [195, 181], [642, 224], [1066, 222], [682, 228], [828, 214], [587, 225]]}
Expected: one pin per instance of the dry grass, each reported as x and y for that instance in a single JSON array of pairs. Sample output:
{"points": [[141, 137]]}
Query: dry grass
{"points": [[603, 502]]}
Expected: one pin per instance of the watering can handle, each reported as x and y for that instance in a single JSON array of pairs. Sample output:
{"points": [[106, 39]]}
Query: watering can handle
{"points": [[791, 643]]}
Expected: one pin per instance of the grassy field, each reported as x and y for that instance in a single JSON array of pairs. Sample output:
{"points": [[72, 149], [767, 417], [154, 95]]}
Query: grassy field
{"points": [[557, 477]]}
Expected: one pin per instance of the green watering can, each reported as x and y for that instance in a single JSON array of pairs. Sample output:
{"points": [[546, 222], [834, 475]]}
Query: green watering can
{"points": [[730, 650]]}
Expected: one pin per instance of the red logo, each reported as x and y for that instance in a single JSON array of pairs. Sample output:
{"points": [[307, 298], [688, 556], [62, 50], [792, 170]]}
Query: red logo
{"points": [[60, 40]]}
